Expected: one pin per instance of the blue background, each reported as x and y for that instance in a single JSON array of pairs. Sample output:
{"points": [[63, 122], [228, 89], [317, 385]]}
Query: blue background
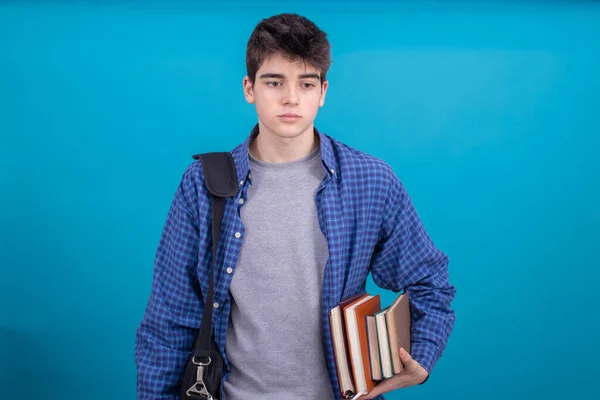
{"points": [[487, 111]]}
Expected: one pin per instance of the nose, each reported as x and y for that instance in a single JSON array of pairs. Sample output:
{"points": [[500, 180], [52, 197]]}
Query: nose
{"points": [[290, 95]]}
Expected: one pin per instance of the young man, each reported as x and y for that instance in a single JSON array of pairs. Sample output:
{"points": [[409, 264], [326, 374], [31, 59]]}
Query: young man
{"points": [[312, 218]]}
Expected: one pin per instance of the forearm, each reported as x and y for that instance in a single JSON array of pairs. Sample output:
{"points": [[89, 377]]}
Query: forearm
{"points": [[159, 366], [163, 344], [432, 317]]}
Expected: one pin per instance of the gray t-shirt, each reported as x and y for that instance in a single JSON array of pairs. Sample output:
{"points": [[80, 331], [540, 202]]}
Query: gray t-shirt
{"points": [[274, 338]]}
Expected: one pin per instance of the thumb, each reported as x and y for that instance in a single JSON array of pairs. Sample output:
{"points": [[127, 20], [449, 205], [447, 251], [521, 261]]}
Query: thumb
{"points": [[405, 357]]}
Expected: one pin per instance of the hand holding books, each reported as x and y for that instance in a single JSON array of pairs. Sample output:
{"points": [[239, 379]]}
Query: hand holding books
{"points": [[367, 342], [413, 374]]}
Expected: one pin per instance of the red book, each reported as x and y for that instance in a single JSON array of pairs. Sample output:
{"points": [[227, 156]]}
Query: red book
{"points": [[358, 340]]}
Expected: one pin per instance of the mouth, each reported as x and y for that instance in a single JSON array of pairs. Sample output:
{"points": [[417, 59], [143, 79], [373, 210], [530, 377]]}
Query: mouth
{"points": [[289, 117]]}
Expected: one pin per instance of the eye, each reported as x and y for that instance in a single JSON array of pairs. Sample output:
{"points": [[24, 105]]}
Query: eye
{"points": [[307, 85], [273, 84]]}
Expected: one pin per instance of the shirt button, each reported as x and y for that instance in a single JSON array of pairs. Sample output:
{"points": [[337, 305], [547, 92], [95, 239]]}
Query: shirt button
{"points": [[241, 183], [332, 171], [241, 201], [216, 305], [229, 270], [238, 235]]}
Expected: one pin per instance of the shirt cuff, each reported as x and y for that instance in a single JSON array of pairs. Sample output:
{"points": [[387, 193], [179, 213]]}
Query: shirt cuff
{"points": [[426, 355]]}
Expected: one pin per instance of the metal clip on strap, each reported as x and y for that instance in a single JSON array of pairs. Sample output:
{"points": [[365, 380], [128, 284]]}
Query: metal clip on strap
{"points": [[199, 390]]}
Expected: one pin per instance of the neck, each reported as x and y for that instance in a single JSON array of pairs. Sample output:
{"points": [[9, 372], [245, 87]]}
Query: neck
{"points": [[271, 148]]}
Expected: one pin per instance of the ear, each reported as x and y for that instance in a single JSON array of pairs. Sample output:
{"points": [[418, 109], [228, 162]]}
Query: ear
{"points": [[248, 90], [324, 86]]}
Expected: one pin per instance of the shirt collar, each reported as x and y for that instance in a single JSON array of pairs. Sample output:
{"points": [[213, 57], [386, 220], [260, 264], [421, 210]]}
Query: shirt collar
{"points": [[242, 160]]}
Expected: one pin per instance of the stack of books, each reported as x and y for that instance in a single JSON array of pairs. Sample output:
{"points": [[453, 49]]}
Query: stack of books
{"points": [[366, 341]]}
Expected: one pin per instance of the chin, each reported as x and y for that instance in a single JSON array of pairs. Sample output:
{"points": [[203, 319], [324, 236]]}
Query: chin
{"points": [[288, 130]]}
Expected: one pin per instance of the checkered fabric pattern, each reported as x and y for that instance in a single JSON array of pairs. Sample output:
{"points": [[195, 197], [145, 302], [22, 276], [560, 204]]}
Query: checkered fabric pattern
{"points": [[370, 224]]}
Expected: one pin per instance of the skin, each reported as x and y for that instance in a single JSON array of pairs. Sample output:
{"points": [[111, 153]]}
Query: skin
{"points": [[283, 86], [413, 374]]}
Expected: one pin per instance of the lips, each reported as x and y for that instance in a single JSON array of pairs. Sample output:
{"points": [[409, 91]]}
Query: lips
{"points": [[289, 117]]}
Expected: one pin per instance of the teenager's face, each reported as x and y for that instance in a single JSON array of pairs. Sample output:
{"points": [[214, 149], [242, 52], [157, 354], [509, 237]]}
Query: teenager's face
{"points": [[287, 95]]}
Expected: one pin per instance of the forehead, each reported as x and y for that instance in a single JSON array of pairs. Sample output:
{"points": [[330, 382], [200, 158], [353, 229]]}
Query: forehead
{"points": [[277, 63]]}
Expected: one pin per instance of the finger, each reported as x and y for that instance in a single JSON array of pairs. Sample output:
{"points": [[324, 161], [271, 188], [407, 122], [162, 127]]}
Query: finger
{"points": [[406, 359], [412, 366], [384, 387]]}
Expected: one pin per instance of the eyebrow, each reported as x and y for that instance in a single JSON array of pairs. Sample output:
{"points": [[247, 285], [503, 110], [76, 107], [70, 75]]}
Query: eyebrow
{"points": [[281, 76]]}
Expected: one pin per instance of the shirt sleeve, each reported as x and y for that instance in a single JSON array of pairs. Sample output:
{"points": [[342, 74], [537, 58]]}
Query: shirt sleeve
{"points": [[405, 258], [174, 309]]}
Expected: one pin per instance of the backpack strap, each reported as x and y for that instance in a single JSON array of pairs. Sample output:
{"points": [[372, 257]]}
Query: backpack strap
{"points": [[221, 180], [219, 173]]}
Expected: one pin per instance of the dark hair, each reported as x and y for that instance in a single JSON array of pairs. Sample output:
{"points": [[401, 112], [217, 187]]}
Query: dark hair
{"points": [[293, 36]]}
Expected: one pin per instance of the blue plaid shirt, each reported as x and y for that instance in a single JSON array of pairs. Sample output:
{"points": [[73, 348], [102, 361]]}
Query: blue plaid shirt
{"points": [[371, 227]]}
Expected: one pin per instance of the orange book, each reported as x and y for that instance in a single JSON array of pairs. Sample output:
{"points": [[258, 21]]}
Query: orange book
{"points": [[358, 340]]}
